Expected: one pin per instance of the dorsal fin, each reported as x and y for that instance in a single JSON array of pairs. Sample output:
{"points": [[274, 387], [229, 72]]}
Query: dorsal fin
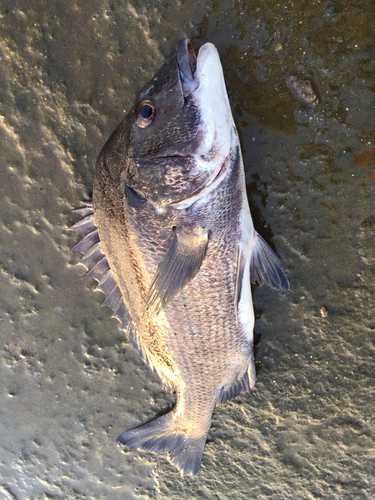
{"points": [[98, 268]]}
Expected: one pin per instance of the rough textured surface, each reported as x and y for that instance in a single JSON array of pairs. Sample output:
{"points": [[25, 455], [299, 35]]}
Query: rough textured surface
{"points": [[70, 382]]}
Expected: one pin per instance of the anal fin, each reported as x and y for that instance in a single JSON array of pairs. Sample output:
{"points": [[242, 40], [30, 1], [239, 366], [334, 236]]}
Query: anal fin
{"points": [[244, 385], [227, 394], [181, 263]]}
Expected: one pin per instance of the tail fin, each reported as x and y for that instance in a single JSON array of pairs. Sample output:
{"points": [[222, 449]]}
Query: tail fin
{"points": [[164, 435]]}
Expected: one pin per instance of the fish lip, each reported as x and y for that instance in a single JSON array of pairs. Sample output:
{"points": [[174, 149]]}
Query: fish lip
{"points": [[187, 64], [186, 59], [206, 51]]}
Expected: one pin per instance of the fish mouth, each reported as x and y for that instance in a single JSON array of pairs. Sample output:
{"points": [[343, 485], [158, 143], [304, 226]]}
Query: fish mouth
{"points": [[187, 63]]}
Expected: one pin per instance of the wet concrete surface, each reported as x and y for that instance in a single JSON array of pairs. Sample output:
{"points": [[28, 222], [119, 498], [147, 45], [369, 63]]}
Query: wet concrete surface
{"points": [[70, 381]]}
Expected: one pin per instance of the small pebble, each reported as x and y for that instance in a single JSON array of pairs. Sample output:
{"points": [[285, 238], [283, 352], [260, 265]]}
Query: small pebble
{"points": [[301, 88]]}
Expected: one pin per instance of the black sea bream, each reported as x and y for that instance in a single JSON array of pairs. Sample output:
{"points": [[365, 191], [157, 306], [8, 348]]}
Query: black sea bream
{"points": [[169, 237]]}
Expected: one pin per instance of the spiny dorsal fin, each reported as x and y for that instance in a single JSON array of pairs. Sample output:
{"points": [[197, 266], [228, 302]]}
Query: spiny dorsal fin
{"points": [[98, 268], [179, 266], [265, 266]]}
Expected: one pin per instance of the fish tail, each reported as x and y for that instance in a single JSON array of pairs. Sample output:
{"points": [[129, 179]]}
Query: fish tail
{"points": [[164, 435]]}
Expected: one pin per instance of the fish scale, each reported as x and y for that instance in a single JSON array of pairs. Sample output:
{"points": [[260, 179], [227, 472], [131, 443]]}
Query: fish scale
{"points": [[170, 240]]}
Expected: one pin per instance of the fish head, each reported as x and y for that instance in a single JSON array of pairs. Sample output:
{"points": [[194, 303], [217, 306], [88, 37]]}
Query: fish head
{"points": [[176, 139]]}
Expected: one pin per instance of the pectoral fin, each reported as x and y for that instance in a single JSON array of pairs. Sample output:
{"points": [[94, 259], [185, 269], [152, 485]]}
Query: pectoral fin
{"points": [[179, 266], [265, 266]]}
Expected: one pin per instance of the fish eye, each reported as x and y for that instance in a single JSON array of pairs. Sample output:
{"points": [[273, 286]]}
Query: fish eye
{"points": [[145, 113]]}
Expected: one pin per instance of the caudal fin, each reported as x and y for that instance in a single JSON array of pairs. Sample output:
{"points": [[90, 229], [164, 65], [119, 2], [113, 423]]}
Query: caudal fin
{"points": [[163, 435]]}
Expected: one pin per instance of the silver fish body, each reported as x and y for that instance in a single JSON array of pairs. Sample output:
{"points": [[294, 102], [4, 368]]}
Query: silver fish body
{"points": [[170, 239]]}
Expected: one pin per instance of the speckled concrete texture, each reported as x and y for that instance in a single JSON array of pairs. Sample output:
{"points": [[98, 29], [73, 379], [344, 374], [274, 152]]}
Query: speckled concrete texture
{"points": [[70, 382]]}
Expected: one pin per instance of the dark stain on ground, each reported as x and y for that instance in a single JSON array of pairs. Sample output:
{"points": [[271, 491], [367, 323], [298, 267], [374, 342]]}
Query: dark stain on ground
{"points": [[365, 159]]}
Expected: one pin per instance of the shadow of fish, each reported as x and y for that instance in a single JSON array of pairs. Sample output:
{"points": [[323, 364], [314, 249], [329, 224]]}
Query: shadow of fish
{"points": [[170, 239]]}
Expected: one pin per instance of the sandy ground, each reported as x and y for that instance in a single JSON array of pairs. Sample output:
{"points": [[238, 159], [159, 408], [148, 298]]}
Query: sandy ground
{"points": [[70, 382]]}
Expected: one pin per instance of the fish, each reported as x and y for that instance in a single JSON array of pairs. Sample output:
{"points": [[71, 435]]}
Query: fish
{"points": [[170, 239]]}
